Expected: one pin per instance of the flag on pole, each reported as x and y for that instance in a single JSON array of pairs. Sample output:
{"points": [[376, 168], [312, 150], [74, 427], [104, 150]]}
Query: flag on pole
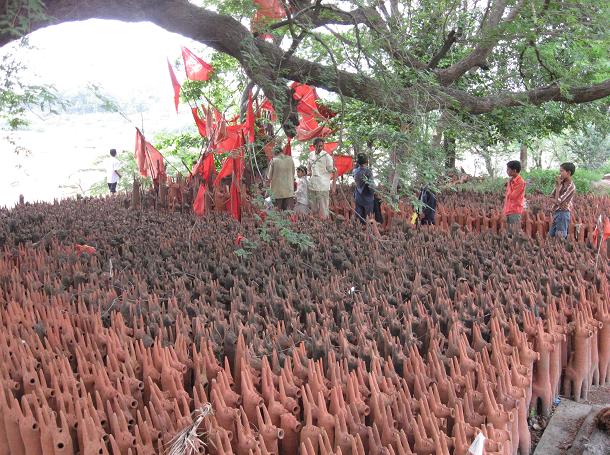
{"points": [[175, 84], [196, 68]]}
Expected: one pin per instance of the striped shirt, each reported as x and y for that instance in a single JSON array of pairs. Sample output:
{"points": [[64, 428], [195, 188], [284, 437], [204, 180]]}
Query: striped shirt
{"points": [[564, 196]]}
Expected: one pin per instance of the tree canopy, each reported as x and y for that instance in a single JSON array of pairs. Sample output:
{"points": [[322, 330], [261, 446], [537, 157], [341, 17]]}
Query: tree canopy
{"points": [[460, 56]]}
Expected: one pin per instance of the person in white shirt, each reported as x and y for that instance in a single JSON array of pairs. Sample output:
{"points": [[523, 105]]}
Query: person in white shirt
{"points": [[112, 174], [320, 166], [302, 205]]}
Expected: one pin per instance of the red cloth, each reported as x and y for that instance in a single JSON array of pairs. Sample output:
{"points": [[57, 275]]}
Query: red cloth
{"points": [[175, 84], [250, 120], [225, 171], [220, 128], [288, 148], [199, 204], [343, 164], [306, 134], [234, 139], [80, 249], [329, 147], [196, 69], [266, 11], [515, 196], [199, 122], [149, 160], [606, 232], [306, 97], [204, 166]]}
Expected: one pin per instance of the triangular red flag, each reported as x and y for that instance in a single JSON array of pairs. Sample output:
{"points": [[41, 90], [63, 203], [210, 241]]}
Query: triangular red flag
{"points": [[196, 68], [199, 204], [250, 120], [149, 160], [175, 84], [225, 171], [343, 164], [199, 122]]}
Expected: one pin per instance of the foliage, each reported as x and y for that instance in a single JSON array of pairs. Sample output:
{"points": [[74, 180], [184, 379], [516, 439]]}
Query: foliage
{"points": [[540, 181], [181, 150], [543, 181], [590, 147], [18, 98]]}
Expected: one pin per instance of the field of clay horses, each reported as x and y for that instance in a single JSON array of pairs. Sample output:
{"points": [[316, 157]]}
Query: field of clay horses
{"points": [[142, 332]]}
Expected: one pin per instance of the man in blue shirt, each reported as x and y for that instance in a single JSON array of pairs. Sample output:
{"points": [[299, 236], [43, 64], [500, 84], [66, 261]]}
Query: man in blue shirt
{"points": [[364, 194]]}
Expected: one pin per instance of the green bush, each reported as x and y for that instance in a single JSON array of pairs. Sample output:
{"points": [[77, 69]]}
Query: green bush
{"points": [[543, 180]]}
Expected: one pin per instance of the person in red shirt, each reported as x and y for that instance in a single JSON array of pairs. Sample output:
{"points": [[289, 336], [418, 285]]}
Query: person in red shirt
{"points": [[515, 196]]}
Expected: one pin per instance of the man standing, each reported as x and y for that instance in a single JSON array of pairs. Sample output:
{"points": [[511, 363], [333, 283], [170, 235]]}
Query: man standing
{"points": [[515, 196], [281, 175], [364, 194], [112, 175], [319, 168], [562, 200]]}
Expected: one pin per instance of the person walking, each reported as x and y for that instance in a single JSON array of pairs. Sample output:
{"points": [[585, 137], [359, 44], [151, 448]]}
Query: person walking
{"points": [[562, 198], [514, 198], [281, 177], [320, 166], [112, 171], [364, 193]]}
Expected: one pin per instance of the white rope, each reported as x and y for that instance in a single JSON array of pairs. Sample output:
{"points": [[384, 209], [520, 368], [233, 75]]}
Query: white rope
{"points": [[188, 441]]}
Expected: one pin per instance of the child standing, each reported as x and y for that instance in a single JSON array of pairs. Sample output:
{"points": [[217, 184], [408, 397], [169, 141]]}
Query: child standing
{"points": [[302, 205], [562, 200]]}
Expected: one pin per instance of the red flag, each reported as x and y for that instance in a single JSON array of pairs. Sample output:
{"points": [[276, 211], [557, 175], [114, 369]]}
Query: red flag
{"points": [[199, 204], [329, 147], [199, 122], [204, 166], [80, 249], [225, 171], [234, 139], [306, 97], [304, 134], [175, 84], [266, 12], [196, 69], [606, 234], [343, 164], [250, 120], [288, 148], [149, 159]]}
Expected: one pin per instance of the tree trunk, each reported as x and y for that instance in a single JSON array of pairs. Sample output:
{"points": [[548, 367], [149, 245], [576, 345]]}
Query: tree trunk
{"points": [[449, 146], [523, 157]]}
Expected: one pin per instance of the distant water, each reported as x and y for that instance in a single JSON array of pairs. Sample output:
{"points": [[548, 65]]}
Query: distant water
{"points": [[63, 151]]}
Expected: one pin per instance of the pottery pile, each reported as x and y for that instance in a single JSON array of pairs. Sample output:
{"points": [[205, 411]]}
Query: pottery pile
{"points": [[117, 324]]}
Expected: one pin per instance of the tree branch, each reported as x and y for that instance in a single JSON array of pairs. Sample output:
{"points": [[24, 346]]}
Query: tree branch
{"points": [[489, 36], [264, 62], [452, 37]]}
